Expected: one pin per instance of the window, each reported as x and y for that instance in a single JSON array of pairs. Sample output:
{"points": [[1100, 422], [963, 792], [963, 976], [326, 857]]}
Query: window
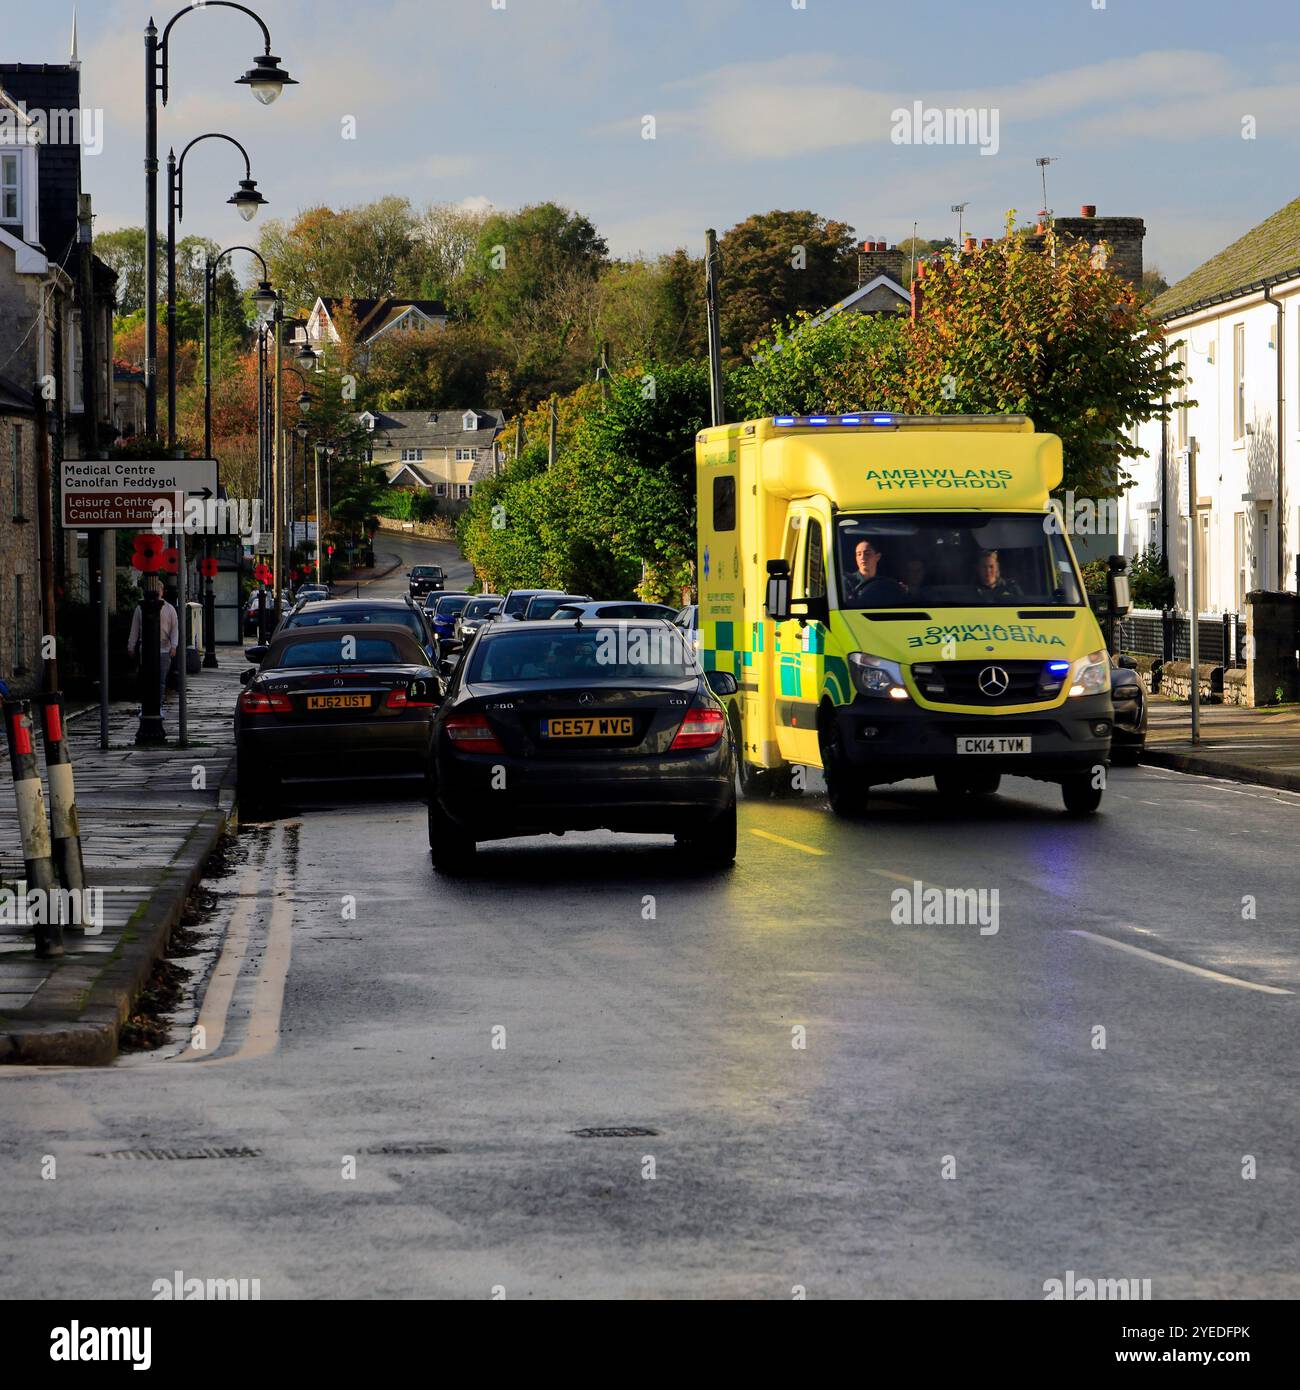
{"points": [[462, 492], [1239, 554], [724, 503], [76, 376], [815, 562], [11, 209], [1202, 561], [412, 455], [1238, 381], [466, 455], [440, 490], [16, 467], [20, 637], [1180, 398]]}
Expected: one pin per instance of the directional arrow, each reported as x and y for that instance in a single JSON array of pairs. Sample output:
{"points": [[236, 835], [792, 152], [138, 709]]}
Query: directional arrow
{"points": [[205, 494]]}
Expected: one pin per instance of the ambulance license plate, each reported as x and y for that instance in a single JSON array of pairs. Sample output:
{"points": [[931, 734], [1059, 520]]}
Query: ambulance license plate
{"points": [[995, 745]]}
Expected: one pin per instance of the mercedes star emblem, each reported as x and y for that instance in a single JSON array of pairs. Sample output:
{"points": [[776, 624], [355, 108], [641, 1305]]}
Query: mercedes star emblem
{"points": [[994, 681]]}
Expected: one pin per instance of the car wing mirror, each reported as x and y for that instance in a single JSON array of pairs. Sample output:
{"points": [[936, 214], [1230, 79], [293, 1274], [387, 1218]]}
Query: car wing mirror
{"points": [[1127, 662], [778, 591], [246, 676], [256, 653], [453, 645], [721, 682], [447, 668]]}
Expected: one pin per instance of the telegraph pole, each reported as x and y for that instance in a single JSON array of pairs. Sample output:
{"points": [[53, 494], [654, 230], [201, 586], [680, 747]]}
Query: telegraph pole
{"points": [[1194, 631], [717, 414]]}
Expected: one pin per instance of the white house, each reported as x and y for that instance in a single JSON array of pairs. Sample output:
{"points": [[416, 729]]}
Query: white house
{"points": [[1235, 322]]}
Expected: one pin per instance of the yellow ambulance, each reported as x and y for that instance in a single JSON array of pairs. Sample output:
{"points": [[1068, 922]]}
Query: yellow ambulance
{"points": [[896, 598]]}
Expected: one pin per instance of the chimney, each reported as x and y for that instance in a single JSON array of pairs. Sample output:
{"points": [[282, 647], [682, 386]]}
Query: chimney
{"points": [[876, 259], [1124, 235]]}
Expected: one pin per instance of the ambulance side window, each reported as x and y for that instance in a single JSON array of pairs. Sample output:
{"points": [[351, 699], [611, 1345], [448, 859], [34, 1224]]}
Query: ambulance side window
{"points": [[724, 503], [814, 562]]}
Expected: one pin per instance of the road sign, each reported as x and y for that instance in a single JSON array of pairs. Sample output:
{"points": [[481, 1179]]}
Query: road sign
{"points": [[100, 494]]}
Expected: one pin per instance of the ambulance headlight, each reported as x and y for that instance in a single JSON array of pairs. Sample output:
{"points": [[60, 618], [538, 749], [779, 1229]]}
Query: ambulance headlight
{"points": [[873, 675], [1091, 674]]}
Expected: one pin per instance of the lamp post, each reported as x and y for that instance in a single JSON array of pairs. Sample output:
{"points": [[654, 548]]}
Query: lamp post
{"points": [[264, 298], [304, 403], [246, 198], [265, 79]]}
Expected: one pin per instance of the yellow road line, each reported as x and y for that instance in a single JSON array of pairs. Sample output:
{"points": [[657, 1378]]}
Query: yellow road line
{"points": [[1180, 965], [790, 844]]}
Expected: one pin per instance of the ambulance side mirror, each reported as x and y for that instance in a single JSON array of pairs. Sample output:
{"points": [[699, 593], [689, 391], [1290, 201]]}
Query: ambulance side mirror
{"points": [[778, 591]]}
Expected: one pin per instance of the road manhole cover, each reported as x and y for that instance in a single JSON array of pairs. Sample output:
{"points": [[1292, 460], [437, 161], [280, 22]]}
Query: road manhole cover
{"points": [[407, 1150], [206, 1151], [620, 1132]]}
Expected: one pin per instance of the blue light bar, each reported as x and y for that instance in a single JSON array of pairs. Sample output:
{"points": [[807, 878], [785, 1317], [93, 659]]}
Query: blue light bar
{"points": [[806, 420]]}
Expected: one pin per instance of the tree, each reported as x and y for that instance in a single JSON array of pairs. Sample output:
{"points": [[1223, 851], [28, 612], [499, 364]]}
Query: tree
{"points": [[521, 256], [362, 252], [1009, 329], [124, 251], [775, 264], [445, 238]]}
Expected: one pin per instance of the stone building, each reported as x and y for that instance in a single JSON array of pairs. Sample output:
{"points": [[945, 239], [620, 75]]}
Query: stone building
{"points": [[20, 618]]}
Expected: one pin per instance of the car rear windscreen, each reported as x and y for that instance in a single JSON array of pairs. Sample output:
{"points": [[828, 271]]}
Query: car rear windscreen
{"points": [[613, 652], [334, 651], [449, 607], [398, 617], [481, 607]]}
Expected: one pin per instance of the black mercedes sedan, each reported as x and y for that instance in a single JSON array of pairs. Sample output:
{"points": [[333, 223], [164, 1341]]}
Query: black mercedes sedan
{"points": [[552, 726], [333, 702]]}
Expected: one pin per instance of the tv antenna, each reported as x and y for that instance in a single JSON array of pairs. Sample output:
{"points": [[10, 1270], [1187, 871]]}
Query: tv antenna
{"points": [[959, 208], [1043, 161]]}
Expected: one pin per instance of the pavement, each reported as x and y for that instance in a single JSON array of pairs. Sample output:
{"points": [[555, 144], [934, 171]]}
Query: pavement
{"points": [[150, 819], [147, 832], [1243, 745]]}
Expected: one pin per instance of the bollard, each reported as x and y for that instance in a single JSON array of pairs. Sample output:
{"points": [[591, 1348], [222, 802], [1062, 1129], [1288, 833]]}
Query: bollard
{"points": [[151, 725], [261, 615], [33, 829], [65, 828]]}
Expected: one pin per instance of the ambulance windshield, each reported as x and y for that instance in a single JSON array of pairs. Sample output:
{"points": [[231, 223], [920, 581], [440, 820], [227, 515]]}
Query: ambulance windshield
{"points": [[953, 560]]}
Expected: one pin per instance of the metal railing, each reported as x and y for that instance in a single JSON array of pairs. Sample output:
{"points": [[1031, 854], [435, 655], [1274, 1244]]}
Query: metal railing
{"points": [[1167, 635]]}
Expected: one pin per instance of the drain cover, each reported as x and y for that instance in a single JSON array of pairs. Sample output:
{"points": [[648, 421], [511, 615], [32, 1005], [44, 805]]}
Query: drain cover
{"points": [[207, 1151], [622, 1132], [407, 1149]]}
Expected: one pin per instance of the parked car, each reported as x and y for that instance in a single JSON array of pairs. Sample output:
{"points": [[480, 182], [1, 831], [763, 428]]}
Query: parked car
{"points": [[517, 600], [543, 605], [1128, 739], [351, 611], [596, 609], [442, 616], [251, 609], [540, 732], [316, 704], [423, 579]]}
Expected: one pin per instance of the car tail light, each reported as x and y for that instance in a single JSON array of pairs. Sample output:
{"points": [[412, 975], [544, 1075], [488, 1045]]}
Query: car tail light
{"points": [[263, 702], [701, 728], [400, 699], [472, 733]]}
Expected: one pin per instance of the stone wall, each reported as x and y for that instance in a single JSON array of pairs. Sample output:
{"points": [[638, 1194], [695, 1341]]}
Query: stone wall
{"points": [[1176, 682]]}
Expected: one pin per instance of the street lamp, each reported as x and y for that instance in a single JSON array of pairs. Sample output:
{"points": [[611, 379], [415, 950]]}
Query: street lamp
{"points": [[306, 356], [265, 79], [246, 197]]}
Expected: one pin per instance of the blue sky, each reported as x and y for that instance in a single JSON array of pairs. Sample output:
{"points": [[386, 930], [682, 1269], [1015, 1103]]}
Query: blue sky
{"points": [[757, 104]]}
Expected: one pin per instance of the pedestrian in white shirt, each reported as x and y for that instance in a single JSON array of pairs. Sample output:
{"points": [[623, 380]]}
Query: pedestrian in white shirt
{"points": [[168, 633]]}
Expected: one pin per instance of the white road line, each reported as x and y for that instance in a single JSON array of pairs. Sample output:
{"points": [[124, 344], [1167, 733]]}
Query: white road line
{"points": [[1179, 965]]}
